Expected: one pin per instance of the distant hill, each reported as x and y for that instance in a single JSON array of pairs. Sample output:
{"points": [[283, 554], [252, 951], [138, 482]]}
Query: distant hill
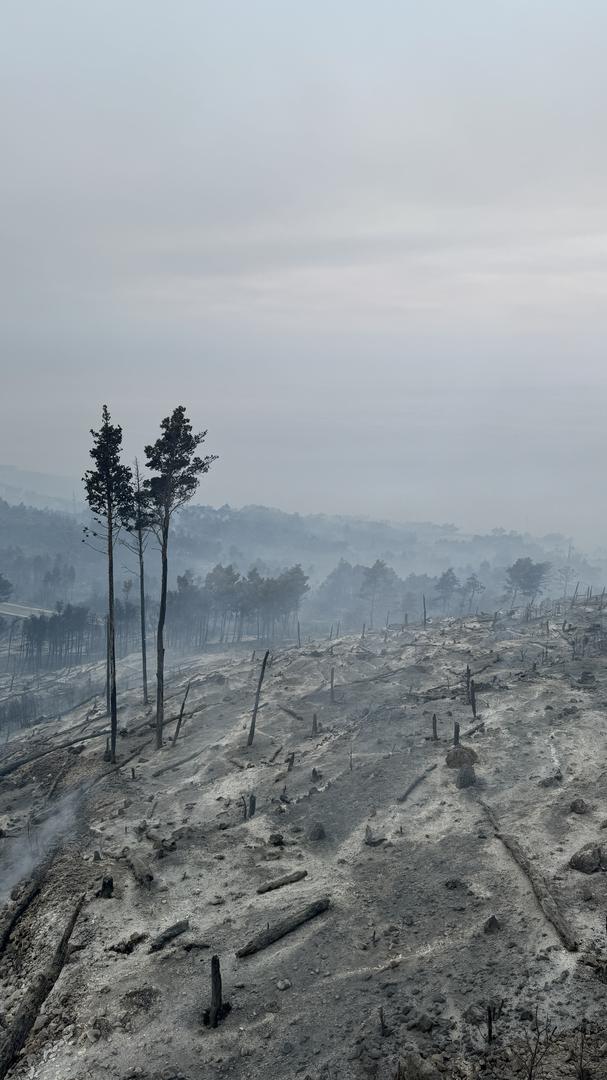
{"points": [[42, 544], [41, 490]]}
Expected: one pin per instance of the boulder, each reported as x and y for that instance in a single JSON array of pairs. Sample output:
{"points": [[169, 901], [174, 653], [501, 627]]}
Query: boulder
{"points": [[589, 859], [579, 806], [552, 781], [466, 777], [317, 832], [459, 756], [492, 925]]}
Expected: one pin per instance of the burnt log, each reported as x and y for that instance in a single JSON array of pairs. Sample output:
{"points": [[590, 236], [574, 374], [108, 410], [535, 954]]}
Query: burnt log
{"points": [[167, 935], [286, 926], [15, 1037], [278, 883]]}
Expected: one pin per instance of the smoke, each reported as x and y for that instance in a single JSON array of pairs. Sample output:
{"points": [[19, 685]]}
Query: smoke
{"points": [[20, 856]]}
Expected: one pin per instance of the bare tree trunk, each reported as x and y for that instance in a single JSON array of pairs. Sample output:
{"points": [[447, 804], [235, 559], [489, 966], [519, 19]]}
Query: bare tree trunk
{"points": [[107, 665], [112, 638], [180, 720], [160, 637], [257, 696], [144, 659]]}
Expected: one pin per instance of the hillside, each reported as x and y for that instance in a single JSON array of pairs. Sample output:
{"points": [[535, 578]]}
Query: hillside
{"points": [[444, 900], [42, 551]]}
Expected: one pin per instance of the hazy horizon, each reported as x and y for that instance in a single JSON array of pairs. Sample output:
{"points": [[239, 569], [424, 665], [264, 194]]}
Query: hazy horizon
{"points": [[366, 249], [68, 493]]}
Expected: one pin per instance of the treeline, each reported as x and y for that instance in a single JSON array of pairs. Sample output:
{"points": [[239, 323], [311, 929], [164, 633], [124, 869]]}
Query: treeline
{"points": [[228, 607], [223, 608], [42, 554], [39, 579], [72, 635], [376, 595]]}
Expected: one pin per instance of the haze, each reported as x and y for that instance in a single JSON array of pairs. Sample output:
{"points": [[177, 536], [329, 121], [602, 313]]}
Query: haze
{"points": [[364, 244]]}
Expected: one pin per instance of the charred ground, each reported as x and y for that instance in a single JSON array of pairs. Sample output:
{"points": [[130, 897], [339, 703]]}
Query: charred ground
{"points": [[447, 903]]}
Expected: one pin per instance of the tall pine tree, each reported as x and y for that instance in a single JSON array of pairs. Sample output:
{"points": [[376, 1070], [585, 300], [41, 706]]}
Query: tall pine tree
{"points": [[110, 497], [178, 469], [139, 529]]}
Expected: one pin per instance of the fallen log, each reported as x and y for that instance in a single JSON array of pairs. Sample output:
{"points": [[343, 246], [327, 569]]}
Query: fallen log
{"points": [[58, 778], [118, 765], [286, 926], [25, 1017], [27, 759], [139, 869], [291, 712], [537, 881], [402, 798], [32, 888], [474, 730], [176, 764], [167, 935], [12, 917], [278, 883]]}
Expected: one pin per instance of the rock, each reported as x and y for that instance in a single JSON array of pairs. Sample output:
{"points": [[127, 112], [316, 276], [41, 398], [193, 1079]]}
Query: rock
{"points": [[371, 840], [317, 831], [413, 1067], [589, 859], [579, 806], [106, 891], [459, 756], [127, 945], [276, 839], [283, 984], [474, 1014], [492, 925], [551, 781], [466, 777], [423, 1022]]}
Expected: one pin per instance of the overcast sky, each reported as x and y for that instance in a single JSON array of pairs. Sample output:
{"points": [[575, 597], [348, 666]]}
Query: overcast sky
{"points": [[365, 243]]}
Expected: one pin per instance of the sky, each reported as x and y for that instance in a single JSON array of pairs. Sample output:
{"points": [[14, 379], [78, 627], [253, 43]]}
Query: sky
{"points": [[364, 243]]}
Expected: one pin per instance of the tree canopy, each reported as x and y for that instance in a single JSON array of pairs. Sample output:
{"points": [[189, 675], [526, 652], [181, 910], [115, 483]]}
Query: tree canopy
{"points": [[527, 577]]}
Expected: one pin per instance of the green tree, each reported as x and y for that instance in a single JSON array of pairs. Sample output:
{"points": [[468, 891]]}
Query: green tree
{"points": [[139, 530], [472, 587], [446, 586], [177, 468], [527, 577], [374, 579], [110, 497]]}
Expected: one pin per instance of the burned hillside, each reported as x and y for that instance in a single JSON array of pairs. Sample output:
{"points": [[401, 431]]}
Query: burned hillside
{"points": [[401, 876]]}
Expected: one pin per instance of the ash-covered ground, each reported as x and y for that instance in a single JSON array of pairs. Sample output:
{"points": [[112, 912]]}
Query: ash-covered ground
{"points": [[451, 900]]}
